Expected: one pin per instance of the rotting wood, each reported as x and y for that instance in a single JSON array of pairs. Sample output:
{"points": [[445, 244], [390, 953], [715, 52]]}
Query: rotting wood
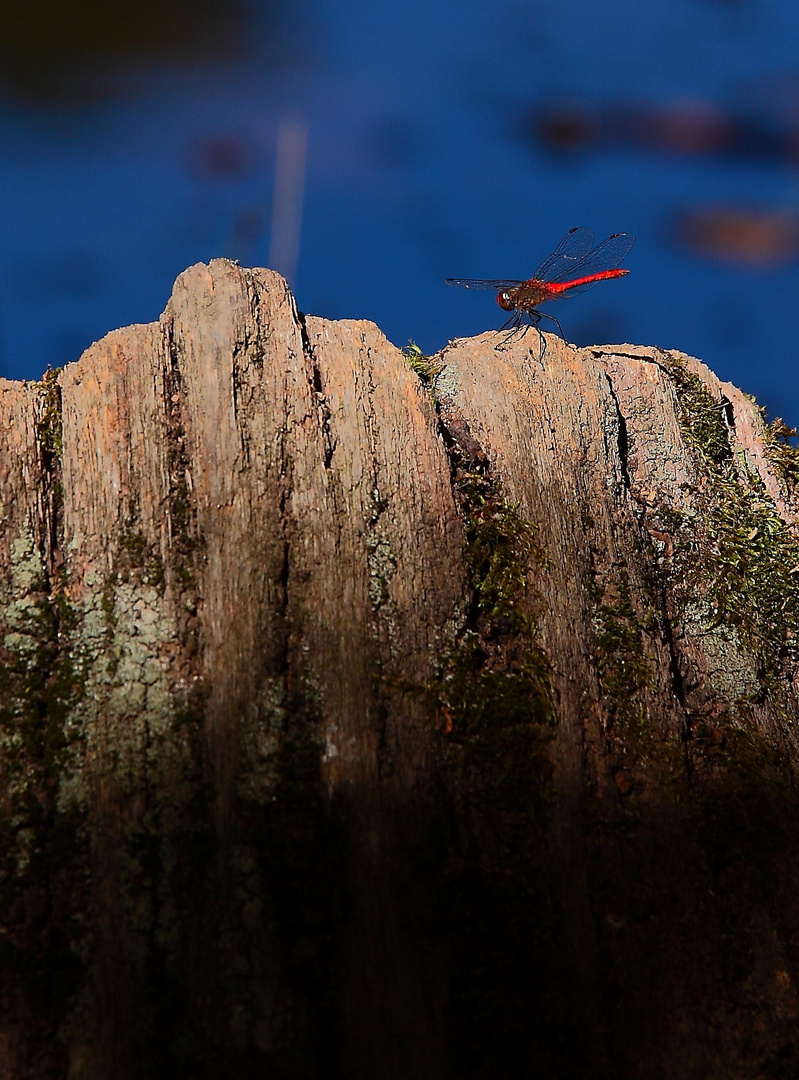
{"points": [[361, 718]]}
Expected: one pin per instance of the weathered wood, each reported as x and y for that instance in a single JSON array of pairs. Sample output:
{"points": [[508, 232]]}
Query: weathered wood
{"points": [[361, 721]]}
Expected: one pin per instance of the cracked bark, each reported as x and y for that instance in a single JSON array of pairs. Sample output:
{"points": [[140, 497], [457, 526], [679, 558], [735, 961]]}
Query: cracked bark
{"points": [[312, 765]]}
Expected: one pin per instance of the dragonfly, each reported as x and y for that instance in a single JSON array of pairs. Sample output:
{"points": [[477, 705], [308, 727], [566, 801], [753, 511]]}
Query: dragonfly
{"points": [[573, 267]]}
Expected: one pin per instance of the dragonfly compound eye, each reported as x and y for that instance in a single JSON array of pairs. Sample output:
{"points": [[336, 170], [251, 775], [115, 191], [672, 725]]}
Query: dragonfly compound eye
{"points": [[504, 301]]}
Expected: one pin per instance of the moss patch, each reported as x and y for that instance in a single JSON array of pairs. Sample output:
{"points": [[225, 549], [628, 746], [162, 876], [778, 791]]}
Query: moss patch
{"points": [[495, 680], [700, 415], [738, 555], [423, 366], [138, 555], [624, 669], [782, 454], [49, 428], [734, 557], [498, 675]]}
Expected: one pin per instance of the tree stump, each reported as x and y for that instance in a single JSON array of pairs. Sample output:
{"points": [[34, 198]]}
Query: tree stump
{"points": [[374, 715]]}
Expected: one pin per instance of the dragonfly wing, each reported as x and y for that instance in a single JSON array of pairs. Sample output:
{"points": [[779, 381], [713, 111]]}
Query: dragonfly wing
{"points": [[574, 246], [497, 284], [608, 255]]}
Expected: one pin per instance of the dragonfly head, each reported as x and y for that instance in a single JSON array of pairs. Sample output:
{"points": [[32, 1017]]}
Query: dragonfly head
{"points": [[504, 300]]}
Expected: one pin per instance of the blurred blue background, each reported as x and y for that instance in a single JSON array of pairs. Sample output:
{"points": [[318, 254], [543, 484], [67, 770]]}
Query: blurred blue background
{"points": [[370, 150]]}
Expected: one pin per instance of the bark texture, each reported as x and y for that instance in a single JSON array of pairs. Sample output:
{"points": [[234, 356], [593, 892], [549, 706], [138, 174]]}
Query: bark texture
{"points": [[364, 714]]}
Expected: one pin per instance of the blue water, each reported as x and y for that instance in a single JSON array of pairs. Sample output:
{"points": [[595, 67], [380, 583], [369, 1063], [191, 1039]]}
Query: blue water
{"points": [[421, 166]]}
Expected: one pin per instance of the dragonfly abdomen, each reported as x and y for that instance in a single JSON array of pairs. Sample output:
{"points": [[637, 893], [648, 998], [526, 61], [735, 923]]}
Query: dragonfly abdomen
{"points": [[559, 287]]}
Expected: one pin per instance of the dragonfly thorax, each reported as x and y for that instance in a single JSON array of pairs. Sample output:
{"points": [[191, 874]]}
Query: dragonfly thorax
{"points": [[525, 296]]}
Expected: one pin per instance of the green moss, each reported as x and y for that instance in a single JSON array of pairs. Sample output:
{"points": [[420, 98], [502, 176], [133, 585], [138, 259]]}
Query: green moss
{"points": [[422, 365], [49, 428], [624, 669], [781, 452], [501, 549], [700, 415], [139, 555], [107, 602], [495, 688], [135, 545], [735, 559]]}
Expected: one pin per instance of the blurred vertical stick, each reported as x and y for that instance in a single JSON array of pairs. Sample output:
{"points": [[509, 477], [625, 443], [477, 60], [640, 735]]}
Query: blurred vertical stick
{"points": [[292, 152]]}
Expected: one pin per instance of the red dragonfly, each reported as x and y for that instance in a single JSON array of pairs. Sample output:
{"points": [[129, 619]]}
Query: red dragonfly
{"points": [[574, 266]]}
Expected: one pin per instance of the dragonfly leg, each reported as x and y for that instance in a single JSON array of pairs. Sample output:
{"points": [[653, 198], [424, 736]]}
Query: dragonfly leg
{"points": [[513, 322], [535, 318], [543, 315], [515, 326]]}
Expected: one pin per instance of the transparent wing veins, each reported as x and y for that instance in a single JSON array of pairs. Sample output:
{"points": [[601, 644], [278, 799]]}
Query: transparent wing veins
{"points": [[568, 255], [497, 284], [605, 256]]}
